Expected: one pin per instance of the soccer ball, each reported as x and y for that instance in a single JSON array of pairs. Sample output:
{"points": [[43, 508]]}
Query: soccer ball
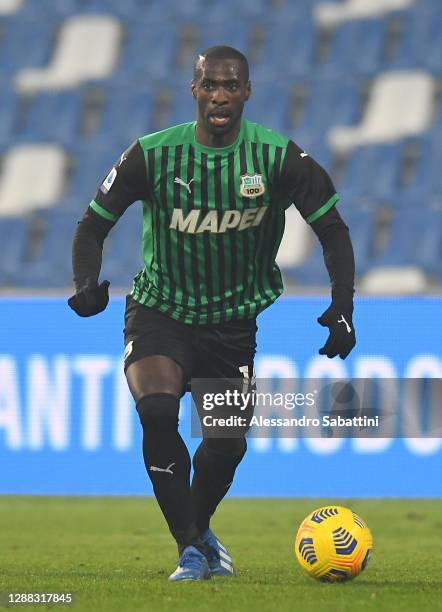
{"points": [[333, 544]]}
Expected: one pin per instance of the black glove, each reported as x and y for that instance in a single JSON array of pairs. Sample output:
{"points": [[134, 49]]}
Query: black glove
{"points": [[91, 300], [342, 337]]}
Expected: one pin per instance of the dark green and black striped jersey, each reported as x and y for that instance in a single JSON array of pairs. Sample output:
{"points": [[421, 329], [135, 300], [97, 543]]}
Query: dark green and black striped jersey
{"points": [[213, 217]]}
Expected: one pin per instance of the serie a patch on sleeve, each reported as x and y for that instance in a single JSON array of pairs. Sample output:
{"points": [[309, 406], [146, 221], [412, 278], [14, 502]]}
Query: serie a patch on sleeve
{"points": [[109, 181]]}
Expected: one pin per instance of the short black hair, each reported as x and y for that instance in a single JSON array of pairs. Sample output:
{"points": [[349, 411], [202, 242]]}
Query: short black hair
{"points": [[222, 52]]}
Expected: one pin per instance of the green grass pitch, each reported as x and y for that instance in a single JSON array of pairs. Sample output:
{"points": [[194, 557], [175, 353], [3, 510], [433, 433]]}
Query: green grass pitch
{"points": [[116, 554]]}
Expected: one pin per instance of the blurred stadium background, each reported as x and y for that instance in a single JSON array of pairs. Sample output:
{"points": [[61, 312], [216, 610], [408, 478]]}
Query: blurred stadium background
{"points": [[357, 83]]}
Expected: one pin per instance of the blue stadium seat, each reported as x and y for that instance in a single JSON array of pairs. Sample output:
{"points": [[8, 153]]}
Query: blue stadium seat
{"points": [[90, 165], [129, 9], [420, 42], [231, 34], [361, 221], [73, 206], [214, 11], [415, 239], [182, 104], [122, 256], [405, 54], [314, 144], [288, 51], [51, 9], [8, 114], [14, 243], [26, 43], [148, 54], [53, 116], [228, 11], [52, 264], [360, 217], [437, 125], [427, 180], [283, 12], [269, 105], [428, 253], [330, 102], [372, 171], [356, 48], [126, 115], [176, 11]]}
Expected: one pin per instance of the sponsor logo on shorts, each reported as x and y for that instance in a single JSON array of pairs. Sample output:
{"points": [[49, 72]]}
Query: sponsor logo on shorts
{"points": [[128, 350]]}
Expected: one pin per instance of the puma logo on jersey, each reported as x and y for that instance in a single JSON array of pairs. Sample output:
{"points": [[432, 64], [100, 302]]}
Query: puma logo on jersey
{"points": [[183, 183], [215, 221]]}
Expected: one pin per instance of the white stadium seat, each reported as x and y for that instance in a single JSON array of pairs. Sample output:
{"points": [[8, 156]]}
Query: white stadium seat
{"points": [[32, 177], [7, 7], [400, 104], [296, 242], [330, 14], [394, 280], [87, 49]]}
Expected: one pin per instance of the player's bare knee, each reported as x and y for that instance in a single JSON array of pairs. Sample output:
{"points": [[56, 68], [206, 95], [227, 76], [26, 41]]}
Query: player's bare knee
{"points": [[154, 375], [155, 388]]}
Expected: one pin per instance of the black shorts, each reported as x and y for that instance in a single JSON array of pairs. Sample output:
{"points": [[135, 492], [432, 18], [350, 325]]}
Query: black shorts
{"points": [[202, 351]]}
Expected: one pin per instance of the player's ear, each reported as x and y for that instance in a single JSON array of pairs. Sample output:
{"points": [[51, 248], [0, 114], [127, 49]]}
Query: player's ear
{"points": [[193, 88], [248, 90]]}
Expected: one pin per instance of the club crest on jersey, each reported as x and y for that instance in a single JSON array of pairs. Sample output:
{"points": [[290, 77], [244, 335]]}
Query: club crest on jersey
{"points": [[252, 185]]}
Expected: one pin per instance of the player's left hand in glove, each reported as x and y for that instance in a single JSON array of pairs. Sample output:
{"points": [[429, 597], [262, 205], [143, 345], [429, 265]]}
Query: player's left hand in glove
{"points": [[341, 339], [91, 300]]}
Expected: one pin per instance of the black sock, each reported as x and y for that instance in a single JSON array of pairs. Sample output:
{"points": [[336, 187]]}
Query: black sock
{"points": [[167, 464], [214, 463]]}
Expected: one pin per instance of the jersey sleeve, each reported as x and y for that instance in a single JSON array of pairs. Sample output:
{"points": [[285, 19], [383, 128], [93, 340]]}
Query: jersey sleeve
{"points": [[305, 183], [126, 183]]}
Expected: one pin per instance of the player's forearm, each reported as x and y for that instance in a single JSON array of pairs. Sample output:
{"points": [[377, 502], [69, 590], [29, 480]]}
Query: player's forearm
{"points": [[338, 256], [87, 248], [340, 263]]}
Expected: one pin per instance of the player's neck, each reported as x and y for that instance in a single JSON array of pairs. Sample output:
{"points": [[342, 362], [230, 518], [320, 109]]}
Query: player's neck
{"points": [[213, 140]]}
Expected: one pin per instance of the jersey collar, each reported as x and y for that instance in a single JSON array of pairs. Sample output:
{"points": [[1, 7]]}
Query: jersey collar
{"points": [[218, 150]]}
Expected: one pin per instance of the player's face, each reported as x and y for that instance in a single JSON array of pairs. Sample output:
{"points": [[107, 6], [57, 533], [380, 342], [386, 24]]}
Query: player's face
{"points": [[220, 90]]}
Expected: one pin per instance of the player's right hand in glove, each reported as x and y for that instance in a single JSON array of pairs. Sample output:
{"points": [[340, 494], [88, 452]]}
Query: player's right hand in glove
{"points": [[91, 300], [341, 339]]}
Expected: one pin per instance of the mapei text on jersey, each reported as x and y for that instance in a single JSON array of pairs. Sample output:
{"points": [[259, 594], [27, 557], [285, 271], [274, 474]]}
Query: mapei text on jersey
{"points": [[216, 221]]}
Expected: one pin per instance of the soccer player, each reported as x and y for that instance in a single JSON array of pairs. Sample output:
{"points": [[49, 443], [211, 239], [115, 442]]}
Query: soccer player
{"points": [[214, 195]]}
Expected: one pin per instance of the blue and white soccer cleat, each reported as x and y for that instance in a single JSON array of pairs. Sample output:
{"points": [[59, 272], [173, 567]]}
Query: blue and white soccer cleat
{"points": [[191, 566], [217, 555]]}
